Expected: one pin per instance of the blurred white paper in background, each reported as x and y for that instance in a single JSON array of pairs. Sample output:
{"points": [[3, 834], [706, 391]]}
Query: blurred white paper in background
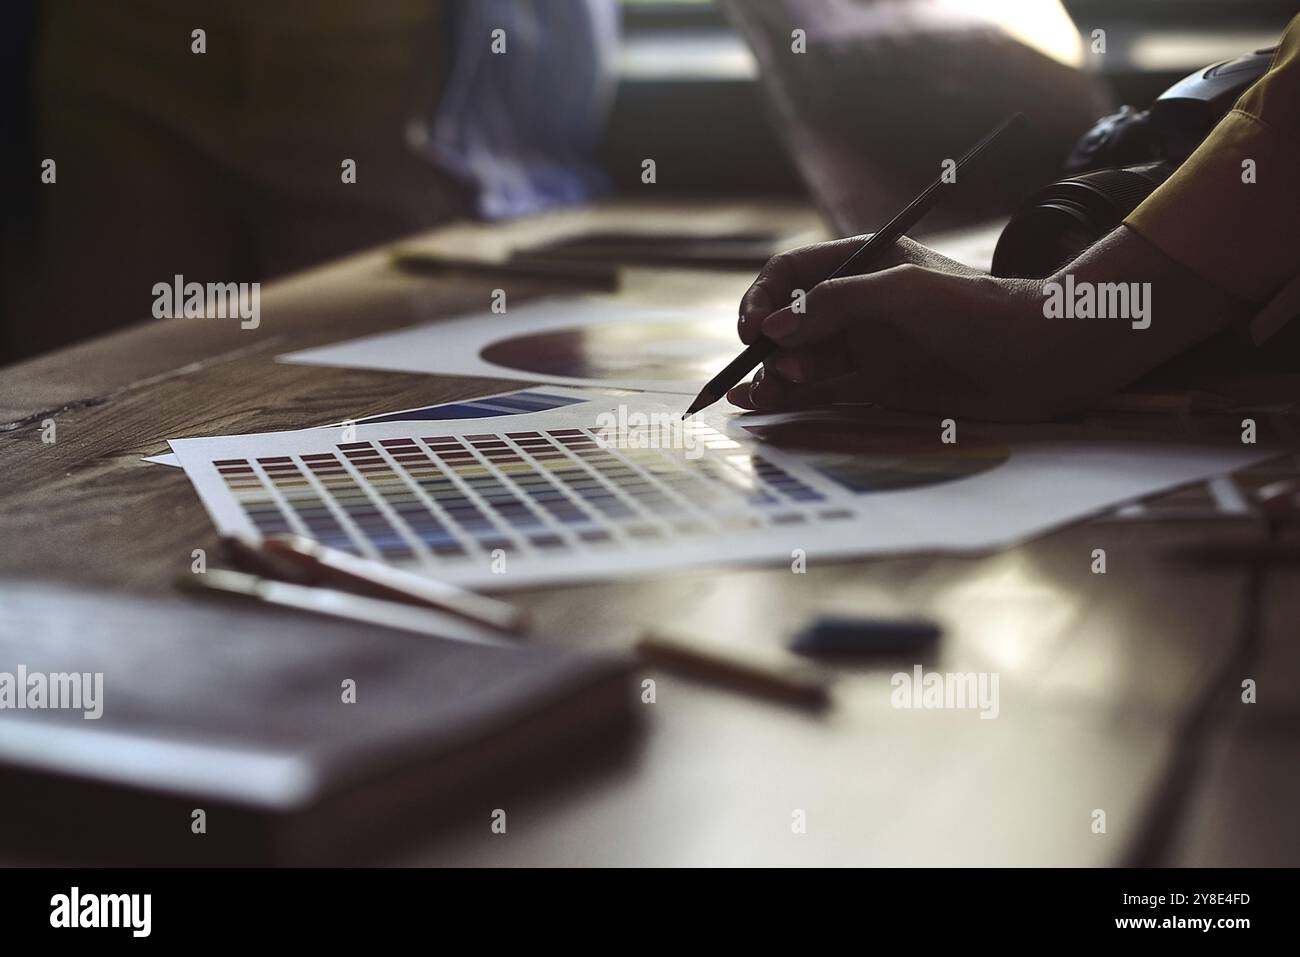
{"points": [[585, 341]]}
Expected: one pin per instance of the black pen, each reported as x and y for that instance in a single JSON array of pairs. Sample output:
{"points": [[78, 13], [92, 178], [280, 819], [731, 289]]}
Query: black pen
{"points": [[762, 347]]}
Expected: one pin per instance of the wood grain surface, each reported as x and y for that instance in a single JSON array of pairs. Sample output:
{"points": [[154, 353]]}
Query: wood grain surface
{"points": [[1098, 672]]}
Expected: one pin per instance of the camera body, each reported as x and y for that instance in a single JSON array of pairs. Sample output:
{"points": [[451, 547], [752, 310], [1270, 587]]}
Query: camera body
{"points": [[1119, 163]]}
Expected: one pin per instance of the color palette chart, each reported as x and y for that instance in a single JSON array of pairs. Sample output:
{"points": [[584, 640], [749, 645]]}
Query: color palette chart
{"points": [[453, 501], [604, 488], [507, 403]]}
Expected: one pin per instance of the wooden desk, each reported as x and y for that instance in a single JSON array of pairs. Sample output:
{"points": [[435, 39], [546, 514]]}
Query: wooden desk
{"points": [[1096, 670]]}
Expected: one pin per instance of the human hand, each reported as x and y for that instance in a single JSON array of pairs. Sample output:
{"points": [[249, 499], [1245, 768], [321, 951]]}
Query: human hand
{"points": [[926, 334]]}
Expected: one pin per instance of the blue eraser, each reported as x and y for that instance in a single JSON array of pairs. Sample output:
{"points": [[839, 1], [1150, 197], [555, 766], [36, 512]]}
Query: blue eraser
{"points": [[864, 636]]}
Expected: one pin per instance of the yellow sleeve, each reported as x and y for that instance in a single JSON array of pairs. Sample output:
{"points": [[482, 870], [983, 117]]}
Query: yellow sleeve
{"points": [[1242, 236]]}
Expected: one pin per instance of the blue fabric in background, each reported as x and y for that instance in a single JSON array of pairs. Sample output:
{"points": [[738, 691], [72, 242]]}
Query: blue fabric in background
{"points": [[523, 126]]}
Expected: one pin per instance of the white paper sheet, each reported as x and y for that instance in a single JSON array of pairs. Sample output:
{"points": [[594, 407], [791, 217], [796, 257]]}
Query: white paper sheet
{"points": [[507, 502], [464, 408], [587, 341]]}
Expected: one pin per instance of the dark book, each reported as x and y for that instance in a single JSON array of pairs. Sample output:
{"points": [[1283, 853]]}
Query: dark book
{"points": [[302, 739]]}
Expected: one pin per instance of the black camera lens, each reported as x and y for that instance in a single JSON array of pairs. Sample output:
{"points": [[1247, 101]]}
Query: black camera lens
{"points": [[1062, 220]]}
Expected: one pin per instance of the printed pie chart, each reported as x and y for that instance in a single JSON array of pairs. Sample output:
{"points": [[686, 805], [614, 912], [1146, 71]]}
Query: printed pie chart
{"points": [[860, 455], [684, 350], [865, 457]]}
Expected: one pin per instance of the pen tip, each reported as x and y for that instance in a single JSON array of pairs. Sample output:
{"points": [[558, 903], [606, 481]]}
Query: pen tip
{"points": [[705, 398]]}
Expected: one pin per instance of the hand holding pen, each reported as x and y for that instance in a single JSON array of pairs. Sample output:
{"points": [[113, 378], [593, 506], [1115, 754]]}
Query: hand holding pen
{"points": [[792, 327]]}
